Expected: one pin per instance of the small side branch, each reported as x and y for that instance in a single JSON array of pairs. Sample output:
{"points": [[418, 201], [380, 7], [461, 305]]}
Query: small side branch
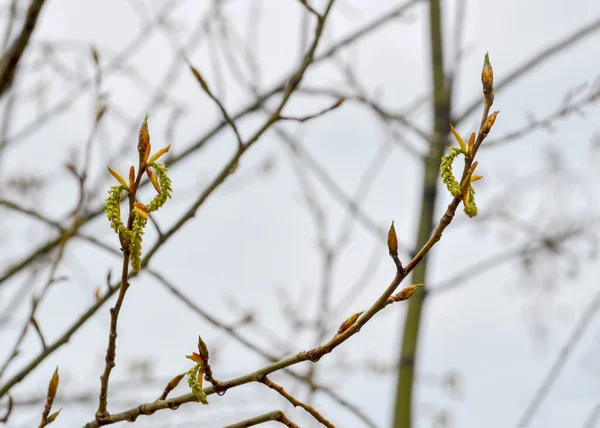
{"points": [[277, 416], [297, 403]]}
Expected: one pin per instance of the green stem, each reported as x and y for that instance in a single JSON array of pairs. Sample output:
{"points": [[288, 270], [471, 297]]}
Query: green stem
{"points": [[441, 129]]}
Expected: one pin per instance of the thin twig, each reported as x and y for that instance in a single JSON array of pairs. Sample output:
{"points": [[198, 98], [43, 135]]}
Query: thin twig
{"points": [[533, 62], [314, 115], [559, 364], [277, 416], [297, 403], [226, 115], [10, 60], [377, 23]]}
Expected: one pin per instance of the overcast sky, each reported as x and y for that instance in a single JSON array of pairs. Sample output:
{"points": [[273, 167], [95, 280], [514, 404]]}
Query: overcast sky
{"points": [[255, 236]]}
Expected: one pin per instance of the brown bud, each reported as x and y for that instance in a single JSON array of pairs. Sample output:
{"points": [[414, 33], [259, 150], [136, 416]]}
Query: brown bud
{"points": [[144, 137], [146, 155], [95, 56], [406, 293], [203, 349], [471, 145], [348, 323], [52, 417], [339, 102], [489, 122], [171, 386], [100, 112], [131, 176], [392, 241], [52, 387], [487, 80], [199, 78]]}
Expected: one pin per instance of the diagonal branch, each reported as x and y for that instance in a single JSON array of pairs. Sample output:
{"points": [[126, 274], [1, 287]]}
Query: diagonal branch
{"points": [[559, 364], [277, 416], [367, 29], [10, 60], [297, 403]]}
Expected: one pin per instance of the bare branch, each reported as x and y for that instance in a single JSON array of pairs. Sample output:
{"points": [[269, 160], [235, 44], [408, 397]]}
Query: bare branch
{"points": [[10, 60], [560, 362], [297, 403], [277, 416]]}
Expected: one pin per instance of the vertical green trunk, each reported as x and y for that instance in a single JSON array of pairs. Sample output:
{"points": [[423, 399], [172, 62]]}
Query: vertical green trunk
{"points": [[441, 128]]}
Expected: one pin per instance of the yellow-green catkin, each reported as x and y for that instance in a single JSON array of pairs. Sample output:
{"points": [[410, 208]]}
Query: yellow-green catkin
{"points": [[165, 187], [135, 246], [446, 169], [113, 208], [470, 207], [195, 386]]}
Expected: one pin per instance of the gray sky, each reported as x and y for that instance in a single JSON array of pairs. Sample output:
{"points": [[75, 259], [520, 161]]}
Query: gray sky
{"points": [[255, 235]]}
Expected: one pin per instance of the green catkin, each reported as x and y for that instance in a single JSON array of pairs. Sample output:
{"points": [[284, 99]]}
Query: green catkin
{"points": [[135, 243], [165, 187], [471, 208], [195, 385], [113, 208], [446, 169], [453, 186]]}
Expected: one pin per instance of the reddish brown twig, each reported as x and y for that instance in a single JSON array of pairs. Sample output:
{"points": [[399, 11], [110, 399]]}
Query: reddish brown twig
{"points": [[297, 403]]}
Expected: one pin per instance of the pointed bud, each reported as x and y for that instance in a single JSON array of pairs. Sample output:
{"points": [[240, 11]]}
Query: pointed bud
{"points": [[171, 386], [95, 56], [52, 417], [487, 80], [158, 154], [476, 177], [406, 293], [203, 349], [117, 176], [348, 323], [471, 144], [144, 136], [53, 386], [100, 112], [473, 167], [392, 241], [131, 176], [461, 142], [489, 122], [199, 78], [339, 102], [146, 155], [153, 179], [97, 294]]}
